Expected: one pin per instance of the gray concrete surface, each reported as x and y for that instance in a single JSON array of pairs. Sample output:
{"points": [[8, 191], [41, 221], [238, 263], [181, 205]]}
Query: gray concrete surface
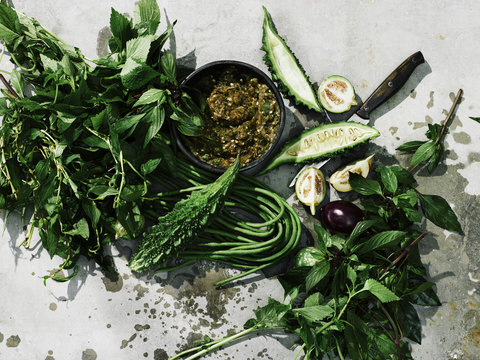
{"points": [[92, 317]]}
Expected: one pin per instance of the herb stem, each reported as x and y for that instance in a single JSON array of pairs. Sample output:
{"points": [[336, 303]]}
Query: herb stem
{"points": [[299, 351], [449, 116], [122, 181], [9, 87], [5, 171], [395, 330], [217, 344], [403, 255], [21, 66], [339, 351]]}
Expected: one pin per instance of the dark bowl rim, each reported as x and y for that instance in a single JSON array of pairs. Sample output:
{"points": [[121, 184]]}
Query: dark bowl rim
{"points": [[256, 165]]}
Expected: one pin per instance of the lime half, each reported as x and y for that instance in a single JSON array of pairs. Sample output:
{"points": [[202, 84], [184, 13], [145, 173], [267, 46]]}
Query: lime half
{"points": [[336, 94]]}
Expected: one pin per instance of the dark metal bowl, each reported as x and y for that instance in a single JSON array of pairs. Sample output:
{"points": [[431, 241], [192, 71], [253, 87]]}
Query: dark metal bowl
{"points": [[213, 68]]}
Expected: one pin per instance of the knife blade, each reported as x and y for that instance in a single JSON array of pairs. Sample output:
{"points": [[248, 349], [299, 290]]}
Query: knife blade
{"points": [[388, 87]]}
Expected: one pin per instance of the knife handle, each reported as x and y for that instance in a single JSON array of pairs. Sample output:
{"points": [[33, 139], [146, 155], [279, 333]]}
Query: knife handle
{"points": [[390, 85]]}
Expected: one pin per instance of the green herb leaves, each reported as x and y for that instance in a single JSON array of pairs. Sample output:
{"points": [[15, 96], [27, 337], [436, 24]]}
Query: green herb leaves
{"points": [[380, 291], [78, 150], [431, 150], [393, 199], [437, 210]]}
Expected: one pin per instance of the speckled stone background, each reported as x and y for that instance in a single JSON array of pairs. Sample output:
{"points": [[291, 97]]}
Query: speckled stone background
{"points": [[153, 317]]}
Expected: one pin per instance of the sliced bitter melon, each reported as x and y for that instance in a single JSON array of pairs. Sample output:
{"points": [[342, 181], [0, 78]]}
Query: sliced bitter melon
{"points": [[285, 68], [323, 141]]}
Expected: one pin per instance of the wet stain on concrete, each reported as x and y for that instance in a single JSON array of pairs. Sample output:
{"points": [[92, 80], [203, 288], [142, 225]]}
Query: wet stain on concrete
{"points": [[126, 343], [203, 287], [13, 341], [393, 130], [52, 306], [454, 123], [431, 101], [413, 94], [89, 354], [474, 157], [113, 285], [1, 337], [462, 138], [160, 354], [139, 327], [418, 125], [141, 291]]}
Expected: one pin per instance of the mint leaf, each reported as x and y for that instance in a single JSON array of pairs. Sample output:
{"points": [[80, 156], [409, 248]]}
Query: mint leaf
{"points": [[411, 145], [433, 131], [80, 228], [389, 179], [16, 80], [380, 291], [313, 300], [151, 96], [49, 64], [315, 313], [162, 39], [323, 237], [409, 321], [437, 210], [403, 176], [7, 35], [155, 118], [408, 198], [9, 19], [355, 337], [138, 48], [364, 186], [91, 210], [136, 74], [359, 229], [423, 153], [271, 315], [147, 16], [379, 240], [122, 31], [169, 67], [435, 159], [316, 274], [150, 165], [477, 119]]}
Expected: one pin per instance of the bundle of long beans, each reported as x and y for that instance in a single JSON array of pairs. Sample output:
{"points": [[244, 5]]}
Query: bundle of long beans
{"points": [[256, 229]]}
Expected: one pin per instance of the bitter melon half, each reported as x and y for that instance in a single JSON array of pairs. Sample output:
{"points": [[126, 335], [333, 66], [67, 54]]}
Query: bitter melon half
{"points": [[323, 141], [285, 67]]}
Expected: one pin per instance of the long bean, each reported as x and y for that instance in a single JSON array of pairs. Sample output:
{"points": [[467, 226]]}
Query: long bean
{"points": [[256, 229]]}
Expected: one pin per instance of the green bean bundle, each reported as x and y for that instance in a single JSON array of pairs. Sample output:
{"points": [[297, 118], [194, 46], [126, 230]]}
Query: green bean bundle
{"points": [[256, 229]]}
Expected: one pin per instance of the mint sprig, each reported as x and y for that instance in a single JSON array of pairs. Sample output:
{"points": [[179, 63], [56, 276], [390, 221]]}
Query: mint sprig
{"points": [[430, 151]]}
